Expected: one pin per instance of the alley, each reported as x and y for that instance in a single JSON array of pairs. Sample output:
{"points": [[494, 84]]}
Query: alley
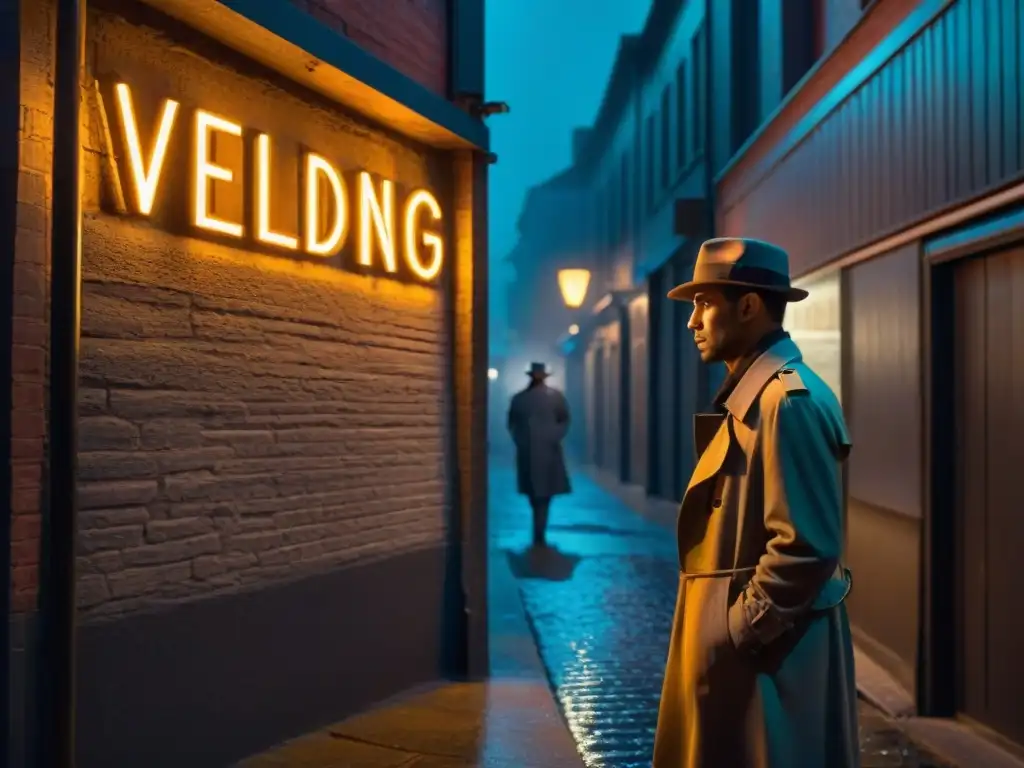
{"points": [[600, 604]]}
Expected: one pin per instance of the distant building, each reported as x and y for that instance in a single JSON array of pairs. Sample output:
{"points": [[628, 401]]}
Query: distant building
{"points": [[880, 143]]}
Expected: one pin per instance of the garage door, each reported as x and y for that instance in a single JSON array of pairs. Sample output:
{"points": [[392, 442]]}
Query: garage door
{"points": [[990, 426]]}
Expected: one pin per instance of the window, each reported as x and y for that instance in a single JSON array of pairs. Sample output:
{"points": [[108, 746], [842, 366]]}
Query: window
{"points": [[649, 170], [624, 210], [683, 117], [698, 48], [609, 214], [666, 135]]}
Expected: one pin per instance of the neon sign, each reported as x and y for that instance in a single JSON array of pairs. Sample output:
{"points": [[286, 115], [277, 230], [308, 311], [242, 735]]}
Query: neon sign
{"points": [[383, 226]]}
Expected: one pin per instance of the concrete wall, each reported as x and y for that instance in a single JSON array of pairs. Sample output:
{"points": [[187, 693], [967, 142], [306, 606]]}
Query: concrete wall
{"points": [[265, 509]]}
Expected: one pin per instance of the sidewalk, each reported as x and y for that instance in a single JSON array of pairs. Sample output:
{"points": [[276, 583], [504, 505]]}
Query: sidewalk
{"points": [[890, 735], [510, 721], [600, 604]]}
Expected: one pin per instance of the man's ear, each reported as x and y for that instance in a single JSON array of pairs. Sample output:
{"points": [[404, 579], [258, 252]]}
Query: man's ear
{"points": [[748, 306]]}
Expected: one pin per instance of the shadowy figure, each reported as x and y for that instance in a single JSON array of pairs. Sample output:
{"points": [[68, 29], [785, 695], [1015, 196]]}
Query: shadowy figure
{"points": [[548, 563], [538, 420]]}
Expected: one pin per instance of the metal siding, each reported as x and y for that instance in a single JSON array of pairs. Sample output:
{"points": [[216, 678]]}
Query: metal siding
{"points": [[885, 396], [938, 124], [638, 392], [664, 407], [990, 363]]}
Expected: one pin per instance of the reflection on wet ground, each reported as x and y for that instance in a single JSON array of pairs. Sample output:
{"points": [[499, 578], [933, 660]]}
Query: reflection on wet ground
{"points": [[600, 603]]}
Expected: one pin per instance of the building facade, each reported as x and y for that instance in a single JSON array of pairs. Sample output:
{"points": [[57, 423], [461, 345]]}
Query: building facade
{"points": [[283, 340], [880, 143]]}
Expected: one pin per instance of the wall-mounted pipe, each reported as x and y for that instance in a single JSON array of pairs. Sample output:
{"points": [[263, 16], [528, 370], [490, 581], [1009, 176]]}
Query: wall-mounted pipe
{"points": [[10, 118], [56, 660]]}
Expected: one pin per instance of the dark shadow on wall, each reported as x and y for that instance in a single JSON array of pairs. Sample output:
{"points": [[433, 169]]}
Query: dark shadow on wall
{"points": [[206, 683]]}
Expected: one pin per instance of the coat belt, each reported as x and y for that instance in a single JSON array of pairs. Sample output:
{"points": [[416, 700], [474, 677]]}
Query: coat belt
{"points": [[845, 573]]}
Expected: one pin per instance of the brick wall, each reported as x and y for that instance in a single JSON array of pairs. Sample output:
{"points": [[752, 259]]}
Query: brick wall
{"points": [[244, 418], [28, 416], [410, 35]]}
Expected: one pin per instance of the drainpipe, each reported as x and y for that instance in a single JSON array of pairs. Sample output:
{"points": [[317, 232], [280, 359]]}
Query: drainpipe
{"points": [[10, 109], [703, 379], [56, 668]]}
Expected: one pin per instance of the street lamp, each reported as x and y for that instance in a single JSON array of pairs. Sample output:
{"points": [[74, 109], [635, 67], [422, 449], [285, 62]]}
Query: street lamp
{"points": [[573, 284]]}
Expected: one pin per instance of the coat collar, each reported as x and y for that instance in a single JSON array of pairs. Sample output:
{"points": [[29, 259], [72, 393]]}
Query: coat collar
{"points": [[760, 372]]}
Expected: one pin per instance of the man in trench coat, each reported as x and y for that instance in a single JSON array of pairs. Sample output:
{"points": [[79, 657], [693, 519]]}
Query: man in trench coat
{"points": [[538, 420], [760, 663]]}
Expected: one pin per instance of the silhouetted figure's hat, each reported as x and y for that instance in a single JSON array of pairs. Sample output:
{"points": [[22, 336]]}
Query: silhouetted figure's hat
{"points": [[538, 369], [743, 262]]}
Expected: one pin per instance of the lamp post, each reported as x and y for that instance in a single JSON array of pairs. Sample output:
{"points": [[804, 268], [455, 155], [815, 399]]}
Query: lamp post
{"points": [[573, 284]]}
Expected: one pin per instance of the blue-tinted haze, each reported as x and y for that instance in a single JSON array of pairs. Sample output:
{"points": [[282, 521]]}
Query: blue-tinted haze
{"points": [[550, 61]]}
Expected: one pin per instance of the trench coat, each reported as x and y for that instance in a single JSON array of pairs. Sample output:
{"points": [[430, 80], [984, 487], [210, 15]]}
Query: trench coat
{"points": [[760, 662], [538, 420]]}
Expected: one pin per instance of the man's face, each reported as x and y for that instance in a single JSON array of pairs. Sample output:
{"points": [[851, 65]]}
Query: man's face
{"points": [[716, 326]]}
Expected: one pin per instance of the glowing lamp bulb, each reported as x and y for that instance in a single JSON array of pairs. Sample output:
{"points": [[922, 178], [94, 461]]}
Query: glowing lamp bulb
{"points": [[492, 374], [573, 283]]}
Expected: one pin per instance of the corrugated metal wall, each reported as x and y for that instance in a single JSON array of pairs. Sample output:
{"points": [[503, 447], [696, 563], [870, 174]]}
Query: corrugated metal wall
{"points": [[884, 412], [940, 122]]}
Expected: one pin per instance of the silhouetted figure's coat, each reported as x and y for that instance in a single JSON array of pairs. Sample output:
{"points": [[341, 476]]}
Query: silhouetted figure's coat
{"points": [[538, 420]]}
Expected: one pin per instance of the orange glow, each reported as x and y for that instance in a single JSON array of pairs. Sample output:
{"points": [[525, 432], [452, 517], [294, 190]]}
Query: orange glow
{"points": [[429, 239], [315, 167], [207, 172], [381, 214], [573, 284], [144, 180], [263, 231]]}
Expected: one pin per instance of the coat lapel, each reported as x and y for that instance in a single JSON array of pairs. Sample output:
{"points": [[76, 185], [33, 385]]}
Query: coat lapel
{"points": [[713, 456]]}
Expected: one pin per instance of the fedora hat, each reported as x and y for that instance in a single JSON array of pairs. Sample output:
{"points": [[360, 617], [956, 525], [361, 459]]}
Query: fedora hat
{"points": [[740, 261], [538, 369]]}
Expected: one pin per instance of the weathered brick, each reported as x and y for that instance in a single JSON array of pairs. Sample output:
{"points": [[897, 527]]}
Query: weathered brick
{"points": [[208, 566], [138, 581], [91, 590], [193, 458], [238, 436], [157, 404], [112, 518], [166, 530], [116, 494], [107, 561], [172, 551], [96, 539], [171, 433], [91, 401], [115, 465], [107, 433], [258, 541], [202, 485]]}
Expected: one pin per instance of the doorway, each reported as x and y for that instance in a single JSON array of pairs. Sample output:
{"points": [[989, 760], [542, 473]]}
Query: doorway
{"points": [[988, 392]]}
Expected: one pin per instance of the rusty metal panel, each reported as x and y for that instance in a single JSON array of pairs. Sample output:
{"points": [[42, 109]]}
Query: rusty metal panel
{"points": [[938, 124], [885, 382]]}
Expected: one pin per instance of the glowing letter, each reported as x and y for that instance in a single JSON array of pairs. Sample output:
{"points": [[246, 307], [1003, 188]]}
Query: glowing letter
{"points": [[315, 166], [263, 231], [418, 199], [144, 181], [383, 215], [205, 171]]}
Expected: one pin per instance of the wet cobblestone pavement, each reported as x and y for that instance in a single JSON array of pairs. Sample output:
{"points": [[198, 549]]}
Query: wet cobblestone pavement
{"points": [[600, 604]]}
